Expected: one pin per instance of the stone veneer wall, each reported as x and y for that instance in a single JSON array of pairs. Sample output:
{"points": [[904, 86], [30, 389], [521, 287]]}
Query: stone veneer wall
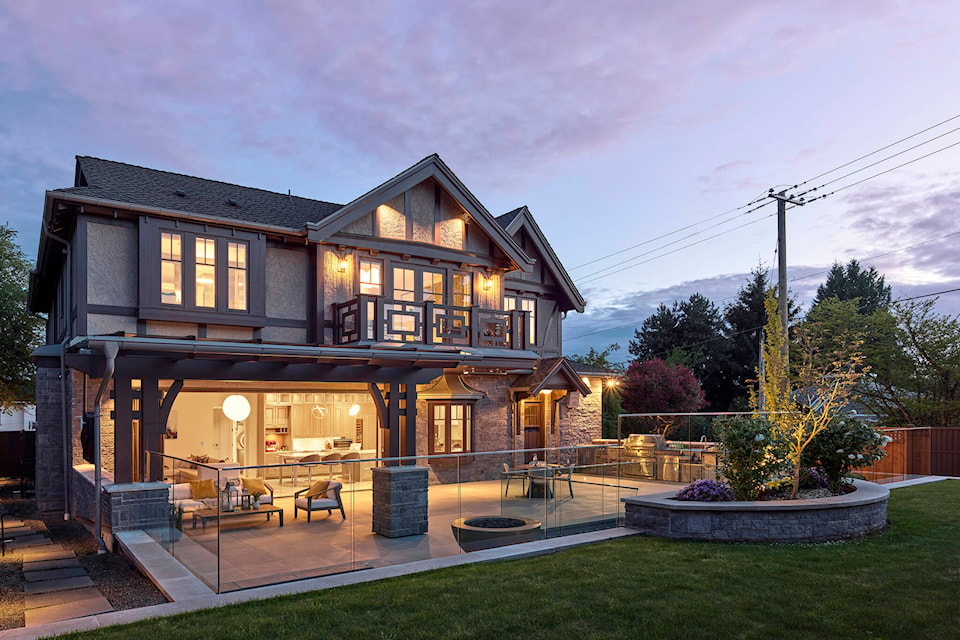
{"points": [[820, 520], [400, 501], [51, 490], [124, 507]]}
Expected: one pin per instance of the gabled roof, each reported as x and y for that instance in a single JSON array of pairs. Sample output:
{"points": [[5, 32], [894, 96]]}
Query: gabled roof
{"points": [[430, 167], [127, 183], [551, 373], [521, 217]]}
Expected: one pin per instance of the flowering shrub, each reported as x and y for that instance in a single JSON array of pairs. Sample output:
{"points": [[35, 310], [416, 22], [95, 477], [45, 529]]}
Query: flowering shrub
{"points": [[706, 491], [749, 456], [846, 444]]}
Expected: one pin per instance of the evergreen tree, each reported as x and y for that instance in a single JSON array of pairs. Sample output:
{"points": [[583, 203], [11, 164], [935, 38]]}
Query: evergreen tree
{"points": [[691, 333], [851, 282], [745, 319]]}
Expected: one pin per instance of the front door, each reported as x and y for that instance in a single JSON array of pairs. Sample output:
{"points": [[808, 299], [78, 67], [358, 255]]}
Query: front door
{"points": [[531, 424]]}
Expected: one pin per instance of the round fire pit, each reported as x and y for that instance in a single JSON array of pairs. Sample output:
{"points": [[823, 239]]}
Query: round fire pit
{"points": [[486, 532]]}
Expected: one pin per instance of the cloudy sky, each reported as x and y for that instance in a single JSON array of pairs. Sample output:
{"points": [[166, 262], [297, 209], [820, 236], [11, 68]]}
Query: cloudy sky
{"points": [[615, 122]]}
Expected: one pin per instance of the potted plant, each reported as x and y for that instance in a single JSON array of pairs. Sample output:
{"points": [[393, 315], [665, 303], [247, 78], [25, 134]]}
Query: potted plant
{"points": [[255, 499]]}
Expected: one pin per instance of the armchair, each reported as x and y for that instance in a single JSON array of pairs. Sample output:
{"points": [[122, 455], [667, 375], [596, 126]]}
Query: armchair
{"points": [[323, 495]]}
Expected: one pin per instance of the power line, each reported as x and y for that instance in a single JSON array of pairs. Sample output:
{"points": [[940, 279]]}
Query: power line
{"points": [[602, 272], [674, 232], [884, 148], [927, 295]]}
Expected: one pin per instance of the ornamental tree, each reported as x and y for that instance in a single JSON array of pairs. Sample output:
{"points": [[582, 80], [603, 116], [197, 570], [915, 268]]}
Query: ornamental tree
{"points": [[655, 386], [800, 408]]}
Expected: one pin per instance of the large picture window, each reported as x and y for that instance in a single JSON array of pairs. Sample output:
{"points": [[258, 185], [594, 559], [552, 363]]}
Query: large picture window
{"points": [[451, 427]]}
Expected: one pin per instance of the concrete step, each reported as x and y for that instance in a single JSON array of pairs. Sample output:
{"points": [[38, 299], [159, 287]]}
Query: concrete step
{"points": [[48, 552], [42, 565], [54, 574], [61, 584], [13, 532], [28, 541], [67, 611], [37, 600]]}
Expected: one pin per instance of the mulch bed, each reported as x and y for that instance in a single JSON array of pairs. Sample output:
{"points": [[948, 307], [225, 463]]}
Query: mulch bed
{"points": [[120, 582]]}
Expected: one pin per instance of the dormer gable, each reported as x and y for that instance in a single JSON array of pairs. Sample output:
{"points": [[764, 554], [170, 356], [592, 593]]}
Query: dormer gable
{"points": [[521, 226], [425, 204]]}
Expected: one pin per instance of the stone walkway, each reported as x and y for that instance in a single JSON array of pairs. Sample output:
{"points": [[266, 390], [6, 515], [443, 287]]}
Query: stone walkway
{"points": [[57, 588]]}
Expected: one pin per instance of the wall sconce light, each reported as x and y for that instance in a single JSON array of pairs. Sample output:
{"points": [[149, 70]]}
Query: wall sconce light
{"points": [[342, 264], [487, 283]]}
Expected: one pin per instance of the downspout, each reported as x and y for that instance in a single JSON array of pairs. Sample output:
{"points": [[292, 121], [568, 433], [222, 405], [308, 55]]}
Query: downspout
{"points": [[64, 410], [110, 350]]}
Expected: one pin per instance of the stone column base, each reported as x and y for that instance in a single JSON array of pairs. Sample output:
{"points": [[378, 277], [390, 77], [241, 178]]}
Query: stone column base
{"points": [[400, 501]]}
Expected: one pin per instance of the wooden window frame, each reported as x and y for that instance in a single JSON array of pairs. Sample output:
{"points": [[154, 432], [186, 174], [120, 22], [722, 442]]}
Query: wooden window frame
{"points": [[150, 306], [468, 430]]}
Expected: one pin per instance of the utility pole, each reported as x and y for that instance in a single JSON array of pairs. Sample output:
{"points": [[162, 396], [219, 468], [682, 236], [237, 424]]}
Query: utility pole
{"points": [[782, 199]]}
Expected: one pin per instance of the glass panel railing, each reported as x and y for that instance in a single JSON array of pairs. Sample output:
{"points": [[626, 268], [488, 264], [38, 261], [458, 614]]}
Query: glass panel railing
{"points": [[231, 538]]}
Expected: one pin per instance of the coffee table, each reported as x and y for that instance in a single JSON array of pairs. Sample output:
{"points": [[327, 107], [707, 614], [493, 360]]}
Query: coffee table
{"points": [[212, 514]]}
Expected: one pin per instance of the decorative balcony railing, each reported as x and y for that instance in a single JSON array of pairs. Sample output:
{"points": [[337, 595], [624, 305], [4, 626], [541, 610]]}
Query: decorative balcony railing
{"points": [[384, 320]]}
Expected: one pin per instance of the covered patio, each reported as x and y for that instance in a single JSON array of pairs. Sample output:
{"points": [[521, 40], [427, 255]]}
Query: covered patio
{"points": [[245, 552]]}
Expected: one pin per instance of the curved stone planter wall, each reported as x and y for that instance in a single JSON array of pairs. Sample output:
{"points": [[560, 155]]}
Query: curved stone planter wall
{"points": [[819, 520]]}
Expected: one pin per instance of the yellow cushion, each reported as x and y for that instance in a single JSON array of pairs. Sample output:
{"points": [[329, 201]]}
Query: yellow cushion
{"points": [[318, 488], [254, 486], [200, 489]]}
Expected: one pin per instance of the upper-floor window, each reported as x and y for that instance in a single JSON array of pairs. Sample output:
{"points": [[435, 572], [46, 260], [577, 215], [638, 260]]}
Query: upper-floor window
{"points": [[206, 272], [237, 276], [462, 289], [524, 304], [417, 285], [214, 275], [371, 277], [171, 268]]}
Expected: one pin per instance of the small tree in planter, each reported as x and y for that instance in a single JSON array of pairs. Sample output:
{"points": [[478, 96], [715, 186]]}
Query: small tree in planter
{"points": [[824, 386], [750, 455], [845, 444]]}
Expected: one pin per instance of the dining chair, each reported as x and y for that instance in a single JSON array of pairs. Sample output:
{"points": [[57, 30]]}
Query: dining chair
{"points": [[332, 468], [306, 460], [513, 474], [564, 473], [541, 477]]}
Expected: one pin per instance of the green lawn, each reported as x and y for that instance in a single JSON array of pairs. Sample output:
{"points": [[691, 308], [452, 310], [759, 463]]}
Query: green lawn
{"points": [[904, 583]]}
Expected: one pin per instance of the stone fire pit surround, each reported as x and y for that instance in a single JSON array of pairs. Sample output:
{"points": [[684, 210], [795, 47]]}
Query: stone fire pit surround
{"points": [[842, 517]]}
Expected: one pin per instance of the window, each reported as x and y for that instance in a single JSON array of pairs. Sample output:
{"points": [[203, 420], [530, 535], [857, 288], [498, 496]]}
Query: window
{"points": [[371, 281], [237, 276], [171, 268], [525, 304], [462, 289], [404, 283], [451, 427], [433, 287], [206, 272]]}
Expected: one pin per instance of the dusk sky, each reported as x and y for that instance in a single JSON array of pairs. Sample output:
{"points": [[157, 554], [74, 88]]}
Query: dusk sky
{"points": [[614, 122]]}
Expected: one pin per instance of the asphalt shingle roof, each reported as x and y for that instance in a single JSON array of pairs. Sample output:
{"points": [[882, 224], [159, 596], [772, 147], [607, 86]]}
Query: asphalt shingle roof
{"points": [[122, 182]]}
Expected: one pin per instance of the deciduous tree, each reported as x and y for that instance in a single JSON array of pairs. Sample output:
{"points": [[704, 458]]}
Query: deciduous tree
{"points": [[20, 332]]}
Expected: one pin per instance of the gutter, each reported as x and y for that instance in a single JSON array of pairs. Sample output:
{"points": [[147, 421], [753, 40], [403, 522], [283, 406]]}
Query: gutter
{"points": [[64, 413], [110, 350]]}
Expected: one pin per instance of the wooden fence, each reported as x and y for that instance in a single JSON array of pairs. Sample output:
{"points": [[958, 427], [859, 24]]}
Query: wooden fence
{"points": [[918, 451], [17, 452]]}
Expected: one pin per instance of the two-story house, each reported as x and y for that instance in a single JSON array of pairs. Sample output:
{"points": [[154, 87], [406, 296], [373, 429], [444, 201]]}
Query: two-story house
{"points": [[409, 321]]}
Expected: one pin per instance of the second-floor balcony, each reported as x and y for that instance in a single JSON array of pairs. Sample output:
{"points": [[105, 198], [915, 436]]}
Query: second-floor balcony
{"points": [[380, 319]]}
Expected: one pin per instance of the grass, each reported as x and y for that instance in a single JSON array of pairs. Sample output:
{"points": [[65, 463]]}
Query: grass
{"points": [[903, 583]]}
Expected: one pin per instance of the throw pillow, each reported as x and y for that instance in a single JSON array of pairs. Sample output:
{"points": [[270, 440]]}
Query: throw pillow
{"points": [[200, 489], [318, 488], [254, 486]]}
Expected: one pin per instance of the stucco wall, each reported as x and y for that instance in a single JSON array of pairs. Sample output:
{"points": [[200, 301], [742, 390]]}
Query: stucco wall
{"points": [[286, 283], [101, 325], [111, 265]]}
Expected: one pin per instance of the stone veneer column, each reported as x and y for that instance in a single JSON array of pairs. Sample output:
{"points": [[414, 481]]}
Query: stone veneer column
{"points": [[399, 501], [50, 482]]}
